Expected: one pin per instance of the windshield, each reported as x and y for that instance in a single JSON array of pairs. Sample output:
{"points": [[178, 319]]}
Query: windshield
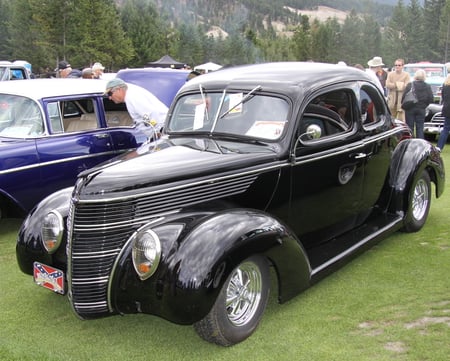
{"points": [[19, 117], [242, 114]]}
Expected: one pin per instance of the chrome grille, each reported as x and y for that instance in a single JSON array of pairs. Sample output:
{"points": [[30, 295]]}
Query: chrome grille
{"points": [[100, 228]]}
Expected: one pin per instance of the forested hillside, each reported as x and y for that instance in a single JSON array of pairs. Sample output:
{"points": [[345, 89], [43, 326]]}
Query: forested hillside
{"points": [[130, 33]]}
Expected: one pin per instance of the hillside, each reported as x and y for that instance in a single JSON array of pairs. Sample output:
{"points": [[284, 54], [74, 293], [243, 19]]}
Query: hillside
{"points": [[228, 16]]}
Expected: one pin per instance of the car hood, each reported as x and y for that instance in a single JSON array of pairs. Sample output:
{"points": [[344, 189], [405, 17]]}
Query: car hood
{"points": [[156, 165]]}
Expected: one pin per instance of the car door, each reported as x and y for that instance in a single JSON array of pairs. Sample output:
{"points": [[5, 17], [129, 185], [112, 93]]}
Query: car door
{"points": [[77, 140], [327, 176], [379, 144]]}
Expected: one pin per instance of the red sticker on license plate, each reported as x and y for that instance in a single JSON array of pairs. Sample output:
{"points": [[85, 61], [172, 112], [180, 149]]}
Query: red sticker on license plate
{"points": [[48, 277]]}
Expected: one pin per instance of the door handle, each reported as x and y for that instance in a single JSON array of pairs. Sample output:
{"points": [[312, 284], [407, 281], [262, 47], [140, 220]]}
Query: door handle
{"points": [[359, 155], [101, 135]]}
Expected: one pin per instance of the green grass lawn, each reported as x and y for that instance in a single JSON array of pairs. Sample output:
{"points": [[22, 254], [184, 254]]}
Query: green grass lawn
{"points": [[391, 303]]}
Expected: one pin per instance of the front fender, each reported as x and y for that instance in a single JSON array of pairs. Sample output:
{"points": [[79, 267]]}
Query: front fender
{"points": [[193, 272], [410, 157], [29, 247]]}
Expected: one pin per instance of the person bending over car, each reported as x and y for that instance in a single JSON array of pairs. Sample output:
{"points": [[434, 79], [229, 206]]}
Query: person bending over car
{"points": [[147, 111]]}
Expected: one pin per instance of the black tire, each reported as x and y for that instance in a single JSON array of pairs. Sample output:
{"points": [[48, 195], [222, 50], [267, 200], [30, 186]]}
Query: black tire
{"points": [[419, 201], [3, 211], [239, 306]]}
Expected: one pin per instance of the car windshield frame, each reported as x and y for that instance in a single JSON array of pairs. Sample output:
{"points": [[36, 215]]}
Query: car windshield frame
{"points": [[236, 113]]}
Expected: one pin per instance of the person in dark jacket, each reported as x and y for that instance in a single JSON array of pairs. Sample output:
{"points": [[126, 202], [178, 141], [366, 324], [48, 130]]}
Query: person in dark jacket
{"points": [[416, 115], [445, 100]]}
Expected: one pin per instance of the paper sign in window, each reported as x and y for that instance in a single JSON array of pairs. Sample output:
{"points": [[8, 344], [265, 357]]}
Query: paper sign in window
{"points": [[199, 116]]}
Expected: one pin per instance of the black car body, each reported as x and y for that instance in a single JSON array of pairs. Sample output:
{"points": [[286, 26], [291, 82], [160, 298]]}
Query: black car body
{"points": [[298, 166]]}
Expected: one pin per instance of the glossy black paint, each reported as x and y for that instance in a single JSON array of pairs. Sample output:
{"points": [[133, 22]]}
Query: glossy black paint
{"points": [[307, 205]]}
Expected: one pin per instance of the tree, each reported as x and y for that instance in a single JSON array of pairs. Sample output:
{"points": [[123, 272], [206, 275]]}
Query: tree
{"points": [[5, 48], [444, 32], [432, 19], [148, 32]]}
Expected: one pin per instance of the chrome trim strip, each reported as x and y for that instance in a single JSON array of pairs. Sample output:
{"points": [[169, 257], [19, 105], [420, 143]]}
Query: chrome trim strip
{"points": [[96, 254], [64, 160], [90, 305], [120, 224], [90, 281], [344, 149], [354, 247], [254, 172]]}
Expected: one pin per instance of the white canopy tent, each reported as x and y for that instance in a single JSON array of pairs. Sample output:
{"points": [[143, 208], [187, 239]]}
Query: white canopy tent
{"points": [[207, 67]]}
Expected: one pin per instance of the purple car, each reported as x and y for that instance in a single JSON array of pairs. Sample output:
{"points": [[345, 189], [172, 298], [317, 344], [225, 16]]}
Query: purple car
{"points": [[52, 129]]}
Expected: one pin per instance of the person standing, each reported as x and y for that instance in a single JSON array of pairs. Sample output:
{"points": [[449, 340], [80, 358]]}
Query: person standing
{"points": [[445, 100], [64, 70], [395, 83], [415, 116], [375, 67], [147, 111], [97, 70]]}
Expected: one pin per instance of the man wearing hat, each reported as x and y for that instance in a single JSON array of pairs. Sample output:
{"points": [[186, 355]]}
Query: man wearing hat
{"points": [[376, 68], [147, 111], [64, 70], [97, 70]]}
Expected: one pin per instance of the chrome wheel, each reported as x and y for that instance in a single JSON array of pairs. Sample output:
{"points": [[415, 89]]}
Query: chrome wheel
{"points": [[243, 293], [240, 304], [420, 199]]}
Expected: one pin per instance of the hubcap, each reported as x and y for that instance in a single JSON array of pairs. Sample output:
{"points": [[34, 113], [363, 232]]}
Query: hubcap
{"points": [[420, 200], [244, 293]]}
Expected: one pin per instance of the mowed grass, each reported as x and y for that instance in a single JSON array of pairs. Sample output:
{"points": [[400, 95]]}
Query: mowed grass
{"points": [[391, 303]]}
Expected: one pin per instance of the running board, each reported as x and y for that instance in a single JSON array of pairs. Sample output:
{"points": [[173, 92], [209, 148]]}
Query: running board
{"points": [[345, 247]]}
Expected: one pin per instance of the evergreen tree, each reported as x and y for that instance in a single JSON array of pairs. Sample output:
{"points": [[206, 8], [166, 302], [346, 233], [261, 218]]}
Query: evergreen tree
{"points": [[414, 33], [432, 10], [98, 36], [147, 31], [444, 32], [5, 46], [394, 45]]}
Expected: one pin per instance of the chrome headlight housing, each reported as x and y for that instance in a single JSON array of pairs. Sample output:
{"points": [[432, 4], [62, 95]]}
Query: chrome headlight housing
{"points": [[52, 231], [146, 253]]}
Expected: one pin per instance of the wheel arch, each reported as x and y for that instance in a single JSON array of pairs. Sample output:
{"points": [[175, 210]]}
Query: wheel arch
{"points": [[208, 254], [409, 159], [29, 246]]}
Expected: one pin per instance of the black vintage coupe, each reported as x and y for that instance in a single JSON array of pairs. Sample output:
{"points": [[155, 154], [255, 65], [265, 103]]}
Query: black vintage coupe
{"points": [[289, 167]]}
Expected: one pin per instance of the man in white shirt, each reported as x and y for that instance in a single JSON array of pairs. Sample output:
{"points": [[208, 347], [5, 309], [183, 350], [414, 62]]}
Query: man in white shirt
{"points": [[147, 111]]}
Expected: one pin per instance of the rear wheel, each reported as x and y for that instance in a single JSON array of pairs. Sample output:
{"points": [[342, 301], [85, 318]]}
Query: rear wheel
{"points": [[239, 306], [418, 203]]}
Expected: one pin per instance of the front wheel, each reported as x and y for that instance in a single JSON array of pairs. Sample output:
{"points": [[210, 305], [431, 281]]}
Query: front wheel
{"points": [[239, 306], [418, 203]]}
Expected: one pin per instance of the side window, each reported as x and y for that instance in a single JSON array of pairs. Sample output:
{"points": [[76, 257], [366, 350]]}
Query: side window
{"points": [[371, 107], [328, 115], [116, 114], [72, 115]]}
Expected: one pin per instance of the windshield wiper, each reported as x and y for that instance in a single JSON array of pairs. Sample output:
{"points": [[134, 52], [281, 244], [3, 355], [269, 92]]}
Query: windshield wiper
{"points": [[243, 100], [204, 101]]}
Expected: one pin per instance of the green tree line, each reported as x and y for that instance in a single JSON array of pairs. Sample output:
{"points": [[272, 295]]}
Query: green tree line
{"points": [[130, 33]]}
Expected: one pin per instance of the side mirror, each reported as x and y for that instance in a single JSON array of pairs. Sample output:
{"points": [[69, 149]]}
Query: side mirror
{"points": [[313, 131]]}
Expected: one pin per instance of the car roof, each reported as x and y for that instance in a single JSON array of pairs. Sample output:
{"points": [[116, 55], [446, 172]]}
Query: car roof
{"points": [[425, 65], [280, 76], [43, 88]]}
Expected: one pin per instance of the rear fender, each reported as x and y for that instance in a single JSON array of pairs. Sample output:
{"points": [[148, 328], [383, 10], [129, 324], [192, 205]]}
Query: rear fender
{"points": [[410, 157]]}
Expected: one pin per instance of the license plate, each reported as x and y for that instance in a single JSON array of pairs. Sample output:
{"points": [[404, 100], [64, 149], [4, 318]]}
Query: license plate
{"points": [[48, 277]]}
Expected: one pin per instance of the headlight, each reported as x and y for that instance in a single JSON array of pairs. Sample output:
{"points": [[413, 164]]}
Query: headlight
{"points": [[146, 253], [52, 231]]}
